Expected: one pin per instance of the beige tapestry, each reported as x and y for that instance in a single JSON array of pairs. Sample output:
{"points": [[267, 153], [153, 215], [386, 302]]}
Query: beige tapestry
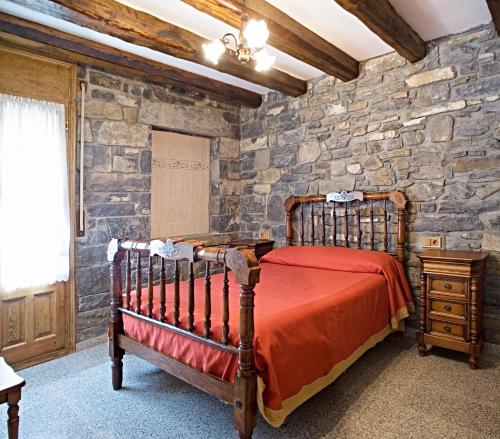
{"points": [[179, 184]]}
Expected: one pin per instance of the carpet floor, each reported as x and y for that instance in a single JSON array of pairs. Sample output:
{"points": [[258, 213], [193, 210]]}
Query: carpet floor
{"points": [[390, 392]]}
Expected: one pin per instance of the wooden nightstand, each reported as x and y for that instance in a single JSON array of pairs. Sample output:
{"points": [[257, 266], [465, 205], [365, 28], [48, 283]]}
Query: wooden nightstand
{"points": [[451, 309], [260, 246]]}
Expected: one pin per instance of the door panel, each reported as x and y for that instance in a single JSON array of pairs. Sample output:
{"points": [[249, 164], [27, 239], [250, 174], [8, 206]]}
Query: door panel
{"points": [[37, 324], [33, 322]]}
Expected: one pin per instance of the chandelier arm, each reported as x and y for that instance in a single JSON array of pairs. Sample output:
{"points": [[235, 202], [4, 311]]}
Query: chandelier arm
{"points": [[226, 38]]}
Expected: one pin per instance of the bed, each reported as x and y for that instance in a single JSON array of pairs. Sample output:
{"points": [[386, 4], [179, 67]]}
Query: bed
{"points": [[325, 299]]}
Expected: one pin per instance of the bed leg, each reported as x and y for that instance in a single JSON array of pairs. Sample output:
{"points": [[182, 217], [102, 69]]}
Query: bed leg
{"points": [[117, 370], [115, 257], [245, 384], [245, 405]]}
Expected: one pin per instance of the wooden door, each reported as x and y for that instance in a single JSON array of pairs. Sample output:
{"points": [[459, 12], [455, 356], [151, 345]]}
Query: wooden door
{"points": [[180, 184], [37, 324]]}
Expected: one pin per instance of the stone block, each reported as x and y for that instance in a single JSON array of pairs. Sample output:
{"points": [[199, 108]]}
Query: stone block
{"points": [[262, 159], [283, 160], [441, 128], [291, 136], [335, 109], [446, 223], [461, 190], [204, 120], [93, 279], [90, 255], [482, 87], [491, 241], [355, 169], [97, 158], [488, 190], [424, 191], [412, 138], [130, 114], [323, 98], [359, 131], [110, 209], [380, 177], [229, 148], [253, 143], [430, 76], [97, 109], [271, 175], [262, 189], [93, 318], [125, 164], [338, 169], [384, 63], [491, 220], [121, 133], [337, 184], [309, 152], [436, 109], [428, 173], [137, 227], [275, 209], [116, 182], [472, 129], [104, 80], [94, 301], [372, 163], [464, 165]]}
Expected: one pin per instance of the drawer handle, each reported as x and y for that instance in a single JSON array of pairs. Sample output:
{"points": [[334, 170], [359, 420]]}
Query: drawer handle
{"points": [[447, 308], [447, 328], [448, 286]]}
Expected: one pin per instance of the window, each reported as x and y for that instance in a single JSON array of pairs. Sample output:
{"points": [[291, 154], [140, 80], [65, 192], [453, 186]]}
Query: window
{"points": [[34, 206], [180, 184]]}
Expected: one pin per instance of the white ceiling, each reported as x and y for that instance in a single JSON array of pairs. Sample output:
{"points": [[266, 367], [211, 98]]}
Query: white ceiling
{"points": [[429, 18]]}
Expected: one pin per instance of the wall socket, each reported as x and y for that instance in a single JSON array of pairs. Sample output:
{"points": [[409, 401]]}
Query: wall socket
{"points": [[264, 235], [431, 241]]}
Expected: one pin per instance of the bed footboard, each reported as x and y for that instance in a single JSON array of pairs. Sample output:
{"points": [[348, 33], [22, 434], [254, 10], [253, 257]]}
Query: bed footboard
{"points": [[242, 262]]}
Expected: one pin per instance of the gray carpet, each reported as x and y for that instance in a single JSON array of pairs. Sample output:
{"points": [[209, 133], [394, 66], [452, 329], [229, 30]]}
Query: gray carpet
{"points": [[390, 392]]}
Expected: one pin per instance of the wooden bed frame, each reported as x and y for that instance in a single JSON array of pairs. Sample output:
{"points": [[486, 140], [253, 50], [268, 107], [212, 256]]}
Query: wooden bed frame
{"points": [[242, 394]]}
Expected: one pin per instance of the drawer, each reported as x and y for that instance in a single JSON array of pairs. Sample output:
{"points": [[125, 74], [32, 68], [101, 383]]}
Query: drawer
{"points": [[448, 329], [447, 309], [449, 286]]}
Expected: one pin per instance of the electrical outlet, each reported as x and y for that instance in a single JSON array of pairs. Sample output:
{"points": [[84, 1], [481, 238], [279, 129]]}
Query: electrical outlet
{"points": [[431, 241], [264, 235]]}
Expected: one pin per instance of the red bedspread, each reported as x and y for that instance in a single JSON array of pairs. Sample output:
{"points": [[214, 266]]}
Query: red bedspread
{"points": [[315, 308]]}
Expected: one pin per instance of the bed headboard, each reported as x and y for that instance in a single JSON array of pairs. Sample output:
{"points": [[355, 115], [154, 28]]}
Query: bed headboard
{"points": [[363, 220]]}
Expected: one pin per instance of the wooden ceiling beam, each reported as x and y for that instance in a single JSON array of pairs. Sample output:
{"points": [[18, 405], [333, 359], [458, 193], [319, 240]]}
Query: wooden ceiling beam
{"points": [[71, 48], [118, 20], [381, 18], [494, 7], [286, 35]]}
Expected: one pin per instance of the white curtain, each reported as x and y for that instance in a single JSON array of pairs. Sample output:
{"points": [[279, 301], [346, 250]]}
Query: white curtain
{"points": [[34, 204]]}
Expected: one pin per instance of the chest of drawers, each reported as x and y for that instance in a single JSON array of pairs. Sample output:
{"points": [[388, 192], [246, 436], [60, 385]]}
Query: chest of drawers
{"points": [[451, 305]]}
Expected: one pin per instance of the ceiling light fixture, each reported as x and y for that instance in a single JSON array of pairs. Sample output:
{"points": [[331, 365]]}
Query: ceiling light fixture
{"points": [[253, 37]]}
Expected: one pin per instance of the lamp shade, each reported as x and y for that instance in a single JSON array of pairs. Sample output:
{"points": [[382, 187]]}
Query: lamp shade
{"points": [[263, 61], [214, 50], [256, 33]]}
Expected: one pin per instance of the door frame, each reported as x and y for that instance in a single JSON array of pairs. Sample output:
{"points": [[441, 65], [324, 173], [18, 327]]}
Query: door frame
{"points": [[70, 110]]}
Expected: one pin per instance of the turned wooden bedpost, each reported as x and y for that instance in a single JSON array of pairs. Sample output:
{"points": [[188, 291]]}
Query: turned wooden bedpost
{"points": [[245, 268], [399, 201], [115, 257], [289, 205]]}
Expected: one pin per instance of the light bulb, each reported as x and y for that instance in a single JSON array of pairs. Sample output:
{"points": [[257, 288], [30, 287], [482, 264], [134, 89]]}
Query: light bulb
{"points": [[256, 33], [214, 50], [263, 61]]}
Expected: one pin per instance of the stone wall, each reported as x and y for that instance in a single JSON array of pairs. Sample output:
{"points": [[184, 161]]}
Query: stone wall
{"points": [[120, 115], [430, 129]]}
